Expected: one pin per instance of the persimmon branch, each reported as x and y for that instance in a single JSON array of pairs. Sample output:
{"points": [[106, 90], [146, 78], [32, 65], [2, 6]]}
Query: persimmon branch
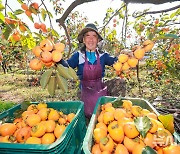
{"points": [[5, 8], [173, 24], [149, 1], [68, 37], [136, 15], [168, 46], [6, 5], [47, 13], [125, 26], [112, 17], [41, 3], [70, 8]]}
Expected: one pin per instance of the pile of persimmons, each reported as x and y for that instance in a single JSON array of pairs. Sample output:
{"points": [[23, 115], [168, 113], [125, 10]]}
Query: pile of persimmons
{"points": [[46, 54], [129, 58], [116, 131], [37, 125]]}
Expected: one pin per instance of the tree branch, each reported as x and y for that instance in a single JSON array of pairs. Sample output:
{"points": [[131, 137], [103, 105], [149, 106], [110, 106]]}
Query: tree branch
{"points": [[125, 28], [176, 23], [6, 5], [68, 37], [149, 1], [42, 1], [65, 15], [136, 15], [71, 7], [112, 17]]}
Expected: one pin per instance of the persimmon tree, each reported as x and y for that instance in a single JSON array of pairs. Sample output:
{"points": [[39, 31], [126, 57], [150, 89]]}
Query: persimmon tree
{"points": [[20, 35], [162, 63]]}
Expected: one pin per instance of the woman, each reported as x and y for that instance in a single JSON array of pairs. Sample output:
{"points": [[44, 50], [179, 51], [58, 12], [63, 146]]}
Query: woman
{"points": [[90, 63]]}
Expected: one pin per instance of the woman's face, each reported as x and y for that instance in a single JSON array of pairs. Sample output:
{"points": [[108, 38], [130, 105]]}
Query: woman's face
{"points": [[90, 40]]}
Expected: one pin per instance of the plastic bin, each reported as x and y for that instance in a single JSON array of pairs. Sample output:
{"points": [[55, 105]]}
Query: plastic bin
{"points": [[88, 140], [71, 140]]}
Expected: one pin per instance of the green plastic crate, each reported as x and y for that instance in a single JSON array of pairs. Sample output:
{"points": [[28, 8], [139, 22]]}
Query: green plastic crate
{"points": [[88, 140], [70, 141]]}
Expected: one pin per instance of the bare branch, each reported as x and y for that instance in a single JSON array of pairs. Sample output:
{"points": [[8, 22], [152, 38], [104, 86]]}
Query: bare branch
{"points": [[47, 13], [176, 23], [6, 5], [149, 1], [70, 8], [5, 8], [68, 37], [135, 15], [125, 29]]}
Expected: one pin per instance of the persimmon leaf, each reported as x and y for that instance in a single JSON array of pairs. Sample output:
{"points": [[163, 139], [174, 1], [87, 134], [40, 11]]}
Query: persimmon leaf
{"points": [[148, 150], [43, 14], [117, 102], [25, 104], [143, 124], [20, 1], [2, 19], [168, 122], [31, 18], [18, 12], [33, 10], [2, 7]]}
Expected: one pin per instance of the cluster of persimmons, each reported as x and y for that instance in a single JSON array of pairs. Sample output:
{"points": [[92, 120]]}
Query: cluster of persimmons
{"points": [[16, 35], [116, 131], [34, 8], [47, 53], [21, 27], [127, 60], [40, 26], [29, 9], [37, 125]]}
